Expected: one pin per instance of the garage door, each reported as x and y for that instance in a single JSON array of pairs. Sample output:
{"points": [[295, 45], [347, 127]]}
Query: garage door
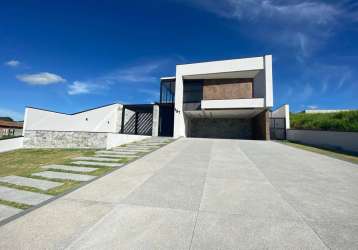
{"points": [[228, 128]]}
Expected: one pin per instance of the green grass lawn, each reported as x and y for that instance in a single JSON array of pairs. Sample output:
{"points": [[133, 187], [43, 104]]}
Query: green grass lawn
{"points": [[24, 162], [27, 161], [332, 153]]}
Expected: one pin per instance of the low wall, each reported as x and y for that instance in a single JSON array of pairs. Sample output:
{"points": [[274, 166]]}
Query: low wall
{"points": [[346, 141], [115, 140], [64, 139], [11, 144], [76, 139]]}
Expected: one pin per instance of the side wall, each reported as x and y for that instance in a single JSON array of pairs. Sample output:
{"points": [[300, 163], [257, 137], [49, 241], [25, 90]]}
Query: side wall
{"points": [[261, 126], [11, 144], [346, 141], [76, 139], [104, 119], [63, 139], [282, 112]]}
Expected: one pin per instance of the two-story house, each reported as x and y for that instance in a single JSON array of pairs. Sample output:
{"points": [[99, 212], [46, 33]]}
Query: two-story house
{"points": [[221, 99]]}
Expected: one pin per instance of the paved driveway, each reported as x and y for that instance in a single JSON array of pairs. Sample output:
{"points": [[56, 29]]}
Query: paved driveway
{"points": [[204, 194]]}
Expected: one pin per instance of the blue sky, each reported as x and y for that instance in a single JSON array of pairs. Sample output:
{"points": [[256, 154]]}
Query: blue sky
{"points": [[73, 55]]}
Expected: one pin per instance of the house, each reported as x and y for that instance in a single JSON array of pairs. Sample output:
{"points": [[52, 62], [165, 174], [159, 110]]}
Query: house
{"points": [[9, 127], [218, 99], [223, 99]]}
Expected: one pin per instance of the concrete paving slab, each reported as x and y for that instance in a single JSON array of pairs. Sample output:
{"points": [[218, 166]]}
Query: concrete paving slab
{"points": [[53, 226], [21, 196], [274, 201], [110, 188], [82, 158], [135, 227], [217, 231], [115, 156], [7, 211], [169, 191], [115, 152], [65, 176], [235, 196], [123, 153], [30, 182], [99, 164], [132, 150], [70, 168]]}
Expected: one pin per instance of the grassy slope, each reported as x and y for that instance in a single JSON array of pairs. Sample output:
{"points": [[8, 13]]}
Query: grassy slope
{"points": [[340, 121], [27, 161], [24, 162]]}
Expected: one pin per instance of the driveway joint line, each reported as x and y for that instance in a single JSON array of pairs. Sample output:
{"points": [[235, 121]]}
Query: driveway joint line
{"points": [[299, 214]]}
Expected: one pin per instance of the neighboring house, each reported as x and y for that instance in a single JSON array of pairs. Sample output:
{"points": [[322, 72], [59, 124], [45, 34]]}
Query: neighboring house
{"points": [[9, 127], [219, 99], [316, 111]]}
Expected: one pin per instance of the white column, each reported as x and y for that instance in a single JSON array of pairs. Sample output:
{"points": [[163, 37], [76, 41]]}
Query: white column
{"points": [[268, 80], [155, 128], [179, 124]]}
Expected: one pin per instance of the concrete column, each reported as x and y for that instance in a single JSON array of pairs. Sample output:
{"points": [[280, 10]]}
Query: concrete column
{"points": [[155, 129]]}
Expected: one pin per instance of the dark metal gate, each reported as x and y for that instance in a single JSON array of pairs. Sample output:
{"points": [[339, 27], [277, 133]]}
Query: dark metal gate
{"points": [[277, 128], [137, 119]]}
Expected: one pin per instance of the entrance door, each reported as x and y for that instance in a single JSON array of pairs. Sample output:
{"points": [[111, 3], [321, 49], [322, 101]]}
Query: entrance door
{"points": [[166, 120]]}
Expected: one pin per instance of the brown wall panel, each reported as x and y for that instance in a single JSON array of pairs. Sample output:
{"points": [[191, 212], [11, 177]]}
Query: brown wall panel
{"points": [[220, 89]]}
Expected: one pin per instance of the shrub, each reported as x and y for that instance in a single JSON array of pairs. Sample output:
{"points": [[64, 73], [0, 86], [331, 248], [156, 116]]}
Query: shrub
{"points": [[339, 121]]}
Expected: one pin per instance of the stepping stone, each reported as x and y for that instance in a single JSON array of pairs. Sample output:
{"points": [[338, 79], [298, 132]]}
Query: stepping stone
{"points": [[114, 156], [65, 176], [131, 151], [135, 148], [30, 182], [94, 159], [69, 168], [102, 164], [128, 152], [21, 196], [7, 211], [115, 152]]}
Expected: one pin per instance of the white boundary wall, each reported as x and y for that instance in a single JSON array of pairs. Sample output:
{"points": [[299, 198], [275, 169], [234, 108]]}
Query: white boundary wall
{"points": [[347, 141], [11, 144], [103, 119]]}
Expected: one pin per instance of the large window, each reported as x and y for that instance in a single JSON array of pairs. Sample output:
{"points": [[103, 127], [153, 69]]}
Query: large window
{"points": [[167, 91], [193, 91]]}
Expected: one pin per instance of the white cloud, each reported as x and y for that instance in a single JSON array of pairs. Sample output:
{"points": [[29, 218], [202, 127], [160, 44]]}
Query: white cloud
{"points": [[306, 91], [18, 116], [77, 88], [312, 107], [145, 73], [344, 77], [43, 78], [137, 73], [304, 26], [12, 63]]}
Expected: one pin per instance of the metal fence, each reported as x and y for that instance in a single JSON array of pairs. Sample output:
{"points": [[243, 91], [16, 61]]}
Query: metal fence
{"points": [[278, 128], [137, 119]]}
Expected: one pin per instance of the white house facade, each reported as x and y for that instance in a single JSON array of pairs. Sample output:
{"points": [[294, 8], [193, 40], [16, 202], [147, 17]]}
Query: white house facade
{"points": [[218, 99], [225, 99]]}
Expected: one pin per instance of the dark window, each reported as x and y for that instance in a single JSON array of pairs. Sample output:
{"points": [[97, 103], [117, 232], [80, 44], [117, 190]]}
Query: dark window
{"points": [[167, 91], [193, 91]]}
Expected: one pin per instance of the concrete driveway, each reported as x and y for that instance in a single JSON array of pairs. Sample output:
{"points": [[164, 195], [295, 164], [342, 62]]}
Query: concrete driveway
{"points": [[204, 194]]}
